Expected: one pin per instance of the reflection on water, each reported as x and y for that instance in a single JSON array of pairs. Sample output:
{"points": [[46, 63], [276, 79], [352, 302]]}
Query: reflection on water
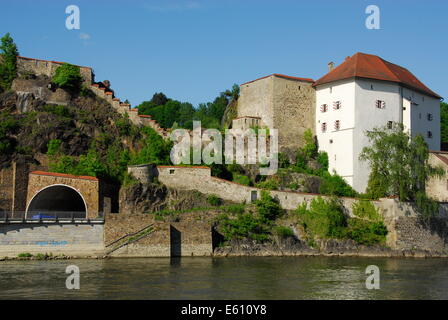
{"points": [[226, 278]]}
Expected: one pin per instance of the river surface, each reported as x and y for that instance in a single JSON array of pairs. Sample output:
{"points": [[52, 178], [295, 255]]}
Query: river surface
{"points": [[226, 278]]}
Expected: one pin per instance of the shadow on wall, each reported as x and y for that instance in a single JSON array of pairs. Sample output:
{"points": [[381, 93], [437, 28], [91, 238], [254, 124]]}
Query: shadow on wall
{"points": [[175, 242]]}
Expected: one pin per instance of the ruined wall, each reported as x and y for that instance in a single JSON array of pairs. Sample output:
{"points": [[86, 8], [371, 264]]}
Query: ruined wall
{"points": [[255, 100], [294, 112], [48, 68], [281, 102], [88, 187], [68, 239]]}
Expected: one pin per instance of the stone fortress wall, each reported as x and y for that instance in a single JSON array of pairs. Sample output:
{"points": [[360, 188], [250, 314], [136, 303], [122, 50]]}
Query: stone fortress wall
{"points": [[278, 102], [401, 219], [48, 68]]}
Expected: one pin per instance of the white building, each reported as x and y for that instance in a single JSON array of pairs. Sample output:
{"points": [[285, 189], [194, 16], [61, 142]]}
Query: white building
{"points": [[364, 92]]}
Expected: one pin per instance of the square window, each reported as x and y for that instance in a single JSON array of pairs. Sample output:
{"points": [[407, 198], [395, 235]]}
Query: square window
{"points": [[337, 125], [380, 104], [171, 171], [389, 124]]}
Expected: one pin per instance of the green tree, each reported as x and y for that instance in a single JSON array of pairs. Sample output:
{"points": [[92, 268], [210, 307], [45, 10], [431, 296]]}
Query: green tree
{"points": [[8, 61], [68, 76], [399, 166]]}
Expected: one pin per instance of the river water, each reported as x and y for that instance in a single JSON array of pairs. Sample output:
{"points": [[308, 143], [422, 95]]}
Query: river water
{"points": [[226, 278]]}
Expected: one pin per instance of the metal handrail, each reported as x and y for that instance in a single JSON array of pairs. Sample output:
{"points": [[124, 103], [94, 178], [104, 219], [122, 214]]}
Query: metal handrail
{"points": [[129, 235]]}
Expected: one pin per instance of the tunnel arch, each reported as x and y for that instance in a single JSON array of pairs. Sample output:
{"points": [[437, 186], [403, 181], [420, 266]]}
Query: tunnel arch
{"points": [[58, 198]]}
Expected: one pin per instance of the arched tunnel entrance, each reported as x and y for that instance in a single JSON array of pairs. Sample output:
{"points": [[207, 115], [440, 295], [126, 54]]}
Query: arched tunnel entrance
{"points": [[57, 201]]}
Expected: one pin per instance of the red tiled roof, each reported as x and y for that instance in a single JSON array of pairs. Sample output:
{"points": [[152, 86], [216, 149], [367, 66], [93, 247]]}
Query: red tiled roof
{"points": [[63, 175], [369, 66], [281, 76], [25, 58]]}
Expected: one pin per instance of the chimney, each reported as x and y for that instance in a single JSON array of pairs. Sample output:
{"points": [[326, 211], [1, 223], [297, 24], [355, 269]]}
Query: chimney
{"points": [[330, 66]]}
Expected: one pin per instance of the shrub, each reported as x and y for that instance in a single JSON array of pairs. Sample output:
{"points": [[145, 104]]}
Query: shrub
{"points": [[365, 209], [61, 111], [238, 178], [283, 232], [322, 160], [270, 184], [235, 208], [25, 255], [244, 226], [335, 185], [53, 147], [214, 200], [8, 62], [268, 208], [324, 218], [367, 232], [68, 76]]}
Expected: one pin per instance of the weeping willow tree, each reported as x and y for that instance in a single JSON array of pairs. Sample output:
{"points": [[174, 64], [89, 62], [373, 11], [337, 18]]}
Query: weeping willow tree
{"points": [[399, 166]]}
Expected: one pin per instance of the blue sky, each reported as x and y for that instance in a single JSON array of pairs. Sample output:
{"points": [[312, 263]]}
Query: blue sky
{"points": [[192, 50]]}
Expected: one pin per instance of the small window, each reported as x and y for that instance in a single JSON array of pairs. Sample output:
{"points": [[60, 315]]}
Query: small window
{"points": [[429, 134], [337, 125], [371, 87], [331, 89], [389, 124], [324, 108], [380, 104], [419, 115], [337, 105], [324, 127], [429, 116], [171, 171], [331, 141]]}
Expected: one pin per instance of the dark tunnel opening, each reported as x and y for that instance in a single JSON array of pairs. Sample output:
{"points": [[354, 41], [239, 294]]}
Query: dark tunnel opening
{"points": [[60, 201]]}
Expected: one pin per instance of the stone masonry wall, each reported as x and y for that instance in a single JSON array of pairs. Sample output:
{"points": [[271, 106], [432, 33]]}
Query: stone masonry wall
{"points": [[294, 112], [88, 188], [68, 239], [189, 238]]}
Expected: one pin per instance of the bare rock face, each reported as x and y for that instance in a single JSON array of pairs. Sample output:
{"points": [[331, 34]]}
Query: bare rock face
{"points": [[151, 197]]}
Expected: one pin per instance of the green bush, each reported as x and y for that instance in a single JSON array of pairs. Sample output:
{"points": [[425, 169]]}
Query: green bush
{"points": [[335, 185], [268, 208], [61, 111], [270, 184], [283, 232], [53, 147], [367, 232], [244, 180], [365, 209], [8, 62], [214, 200], [324, 218], [244, 226], [68, 76], [25, 255], [235, 209]]}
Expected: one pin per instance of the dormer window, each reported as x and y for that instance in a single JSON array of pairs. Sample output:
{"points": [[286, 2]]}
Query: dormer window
{"points": [[324, 108], [337, 105], [380, 104]]}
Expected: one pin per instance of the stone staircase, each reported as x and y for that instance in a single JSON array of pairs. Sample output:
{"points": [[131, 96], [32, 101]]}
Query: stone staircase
{"points": [[125, 108], [128, 239]]}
